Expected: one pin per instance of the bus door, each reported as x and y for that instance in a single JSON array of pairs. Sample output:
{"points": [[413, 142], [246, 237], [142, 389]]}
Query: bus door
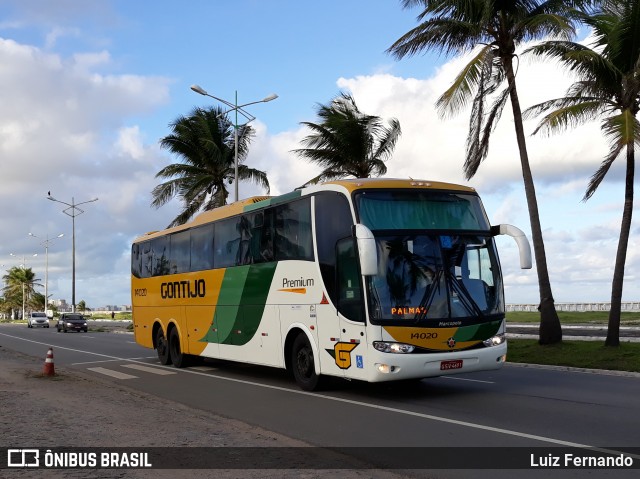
{"points": [[350, 355]]}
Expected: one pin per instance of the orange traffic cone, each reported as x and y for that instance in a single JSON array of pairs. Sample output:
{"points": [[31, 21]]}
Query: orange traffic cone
{"points": [[49, 369]]}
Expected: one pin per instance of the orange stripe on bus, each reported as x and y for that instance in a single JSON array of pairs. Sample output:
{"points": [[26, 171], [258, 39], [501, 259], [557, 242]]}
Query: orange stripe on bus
{"points": [[294, 290]]}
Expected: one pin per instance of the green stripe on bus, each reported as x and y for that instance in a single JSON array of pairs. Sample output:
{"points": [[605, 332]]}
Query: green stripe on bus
{"points": [[276, 200], [477, 332], [241, 303]]}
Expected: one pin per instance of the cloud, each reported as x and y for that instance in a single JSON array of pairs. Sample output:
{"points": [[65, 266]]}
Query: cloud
{"points": [[580, 247], [67, 128], [63, 128]]}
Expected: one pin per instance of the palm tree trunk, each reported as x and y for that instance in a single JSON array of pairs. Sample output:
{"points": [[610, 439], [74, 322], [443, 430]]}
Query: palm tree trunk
{"points": [[613, 328], [550, 329]]}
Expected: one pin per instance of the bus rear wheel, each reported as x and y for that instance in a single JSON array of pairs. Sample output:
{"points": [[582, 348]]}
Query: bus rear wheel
{"points": [[178, 358], [162, 346], [303, 364]]}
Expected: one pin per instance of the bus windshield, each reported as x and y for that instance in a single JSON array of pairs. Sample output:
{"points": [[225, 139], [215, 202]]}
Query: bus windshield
{"points": [[434, 277], [420, 209], [436, 258]]}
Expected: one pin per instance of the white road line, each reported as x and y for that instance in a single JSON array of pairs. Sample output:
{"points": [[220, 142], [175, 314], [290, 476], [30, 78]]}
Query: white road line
{"points": [[405, 412], [112, 373], [109, 360], [204, 369], [466, 379], [149, 369]]}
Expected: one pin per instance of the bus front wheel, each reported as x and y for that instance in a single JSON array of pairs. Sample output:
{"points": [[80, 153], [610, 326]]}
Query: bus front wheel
{"points": [[178, 358], [303, 364], [162, 347]]}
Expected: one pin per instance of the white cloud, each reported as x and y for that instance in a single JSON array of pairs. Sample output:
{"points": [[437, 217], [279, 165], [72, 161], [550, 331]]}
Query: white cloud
{"points": [[433, 148], [67, 129], [62, 129]]}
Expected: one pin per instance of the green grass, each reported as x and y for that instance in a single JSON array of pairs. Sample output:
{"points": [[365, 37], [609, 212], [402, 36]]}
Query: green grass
{"points": [[578, 354], [570, 317], [118, 316]]}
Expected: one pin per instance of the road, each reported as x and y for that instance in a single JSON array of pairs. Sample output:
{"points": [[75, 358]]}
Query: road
{"points": [[516, 407]]}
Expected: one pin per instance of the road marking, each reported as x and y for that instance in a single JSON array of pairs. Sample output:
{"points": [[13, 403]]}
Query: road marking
{"points": [[112, 373], [466, 379], [204, 369], [149, 369], [405, 412]]}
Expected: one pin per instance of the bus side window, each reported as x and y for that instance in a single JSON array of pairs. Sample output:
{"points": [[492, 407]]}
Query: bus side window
{"points": [[180, 252], [160, 256], [227, 243], [202, 239], [136, 260], [262, 240], [350, 301], [293, 238], [333, 222]]}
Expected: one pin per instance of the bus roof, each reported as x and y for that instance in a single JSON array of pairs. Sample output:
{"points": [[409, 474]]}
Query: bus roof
{"points": [[350, 185], [365, 183]]}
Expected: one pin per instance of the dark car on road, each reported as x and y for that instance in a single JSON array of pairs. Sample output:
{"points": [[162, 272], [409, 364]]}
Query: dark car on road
{"points": [[72, 322]]}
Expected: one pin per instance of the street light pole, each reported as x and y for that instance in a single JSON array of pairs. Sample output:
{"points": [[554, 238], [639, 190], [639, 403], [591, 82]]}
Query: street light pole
{"points": [[237, 108], [72, 211], [24, 268], [45, 243]]}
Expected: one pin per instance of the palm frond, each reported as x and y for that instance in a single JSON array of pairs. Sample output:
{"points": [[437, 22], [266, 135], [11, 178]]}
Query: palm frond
{"points": [[567, 113], [456, 97]]}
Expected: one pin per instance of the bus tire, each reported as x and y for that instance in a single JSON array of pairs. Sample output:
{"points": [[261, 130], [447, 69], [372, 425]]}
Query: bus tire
{"points": [[178, 358], [162, 347], [303, 364]]}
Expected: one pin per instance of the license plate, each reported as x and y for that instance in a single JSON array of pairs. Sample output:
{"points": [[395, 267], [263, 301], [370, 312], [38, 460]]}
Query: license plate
{"points": [[452, 364]]}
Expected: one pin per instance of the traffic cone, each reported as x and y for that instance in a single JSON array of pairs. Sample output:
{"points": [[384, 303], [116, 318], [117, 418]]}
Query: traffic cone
{"points": [[49, 369]]}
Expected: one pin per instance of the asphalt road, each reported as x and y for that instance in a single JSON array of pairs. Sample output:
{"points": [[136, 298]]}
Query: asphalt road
{"points": [[518, 406]]}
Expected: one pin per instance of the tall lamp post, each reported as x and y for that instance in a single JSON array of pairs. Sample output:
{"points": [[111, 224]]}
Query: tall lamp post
{"points": [[24, 267], [72, 211], [45, 243], [238, 109]]}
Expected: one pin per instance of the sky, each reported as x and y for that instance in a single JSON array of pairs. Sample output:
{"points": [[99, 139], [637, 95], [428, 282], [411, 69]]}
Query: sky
{"points": [[87, 90]]}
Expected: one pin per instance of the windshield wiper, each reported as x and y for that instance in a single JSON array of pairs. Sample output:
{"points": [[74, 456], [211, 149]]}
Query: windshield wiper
{"points": [[464, 295]]}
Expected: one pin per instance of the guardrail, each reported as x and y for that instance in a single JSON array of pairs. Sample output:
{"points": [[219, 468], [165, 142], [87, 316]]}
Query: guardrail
{"points": [[627, 306]]}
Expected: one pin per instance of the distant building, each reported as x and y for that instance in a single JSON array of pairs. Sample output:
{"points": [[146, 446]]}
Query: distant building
{"points": [[60, 304]]}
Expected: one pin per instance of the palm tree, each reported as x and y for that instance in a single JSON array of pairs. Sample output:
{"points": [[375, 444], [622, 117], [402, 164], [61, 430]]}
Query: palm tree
{"points": [[608, 87], [204, 141], [36, 302], [496, 28], [19, 286], [348, 143]]}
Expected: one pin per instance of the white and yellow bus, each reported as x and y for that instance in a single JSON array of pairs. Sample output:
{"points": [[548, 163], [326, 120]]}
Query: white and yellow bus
{"points": [[367, 279]]}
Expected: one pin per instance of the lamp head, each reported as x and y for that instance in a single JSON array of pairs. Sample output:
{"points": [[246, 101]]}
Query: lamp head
{"points": [[273, 96], [199, 89]]}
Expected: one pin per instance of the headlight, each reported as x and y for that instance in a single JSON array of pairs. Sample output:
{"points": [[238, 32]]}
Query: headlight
{"points": [[385, 347], [495, 340]]}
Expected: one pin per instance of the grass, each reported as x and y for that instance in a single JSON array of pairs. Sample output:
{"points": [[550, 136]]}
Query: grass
{"points": [[572, 317], [578, 354]]}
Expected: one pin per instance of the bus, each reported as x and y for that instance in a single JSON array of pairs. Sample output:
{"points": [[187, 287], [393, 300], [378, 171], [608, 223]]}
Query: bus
{"points": [[364, 279]]}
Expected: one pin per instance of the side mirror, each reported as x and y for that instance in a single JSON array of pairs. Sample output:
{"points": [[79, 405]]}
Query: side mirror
{"points": [[521, 241], [366, 250]]}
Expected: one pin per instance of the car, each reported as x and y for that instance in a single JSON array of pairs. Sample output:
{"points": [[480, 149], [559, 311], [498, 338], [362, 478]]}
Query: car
{"points": [[37, 319], [72, 322]]}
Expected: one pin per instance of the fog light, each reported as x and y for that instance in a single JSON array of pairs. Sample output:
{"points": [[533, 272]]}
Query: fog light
{"points": [[384, 368]]}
